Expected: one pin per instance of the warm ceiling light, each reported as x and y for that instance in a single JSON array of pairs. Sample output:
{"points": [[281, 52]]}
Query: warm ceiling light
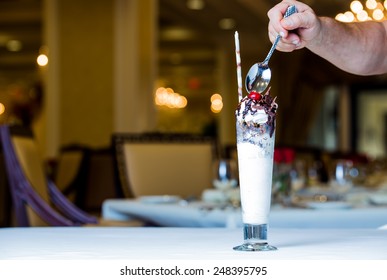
{"points": [[340, 17], [362, 16], [195, 4], [167, 97], [177, 34], [363, 12], [42, 60], [350, 16], [377, 14], [356, 6], [371, 4], [215, 96], [216, 103], [14, 45], [227, 23]]}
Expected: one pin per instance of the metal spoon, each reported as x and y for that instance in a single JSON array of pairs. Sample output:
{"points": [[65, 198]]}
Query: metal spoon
{"points": [[259, 75]]}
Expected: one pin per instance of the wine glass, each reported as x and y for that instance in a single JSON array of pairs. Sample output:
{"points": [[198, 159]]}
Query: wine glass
{"points": [[255, 146], [225, 174]]}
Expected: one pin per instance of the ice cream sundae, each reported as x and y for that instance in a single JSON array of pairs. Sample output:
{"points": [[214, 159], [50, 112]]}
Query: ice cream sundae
{"points": [[255, 125]]}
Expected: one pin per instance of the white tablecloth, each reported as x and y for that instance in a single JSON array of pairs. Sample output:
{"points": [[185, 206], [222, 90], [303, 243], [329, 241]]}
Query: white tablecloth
{"points": [[193, 215], [147, 243]]}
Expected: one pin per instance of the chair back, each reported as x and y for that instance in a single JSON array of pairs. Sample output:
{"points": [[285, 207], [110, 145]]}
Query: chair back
{"points": [[71, 172], [164, 164], [101, 184], [32, 164], [28, 156], [5, 196], [33, 195]]}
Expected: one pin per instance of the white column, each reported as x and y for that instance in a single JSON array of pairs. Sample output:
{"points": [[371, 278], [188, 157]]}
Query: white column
{"points": [[135, 45]]}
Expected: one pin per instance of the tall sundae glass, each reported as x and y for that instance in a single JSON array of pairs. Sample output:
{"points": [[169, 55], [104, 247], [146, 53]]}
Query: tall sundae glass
{"points": [[255, 129]]}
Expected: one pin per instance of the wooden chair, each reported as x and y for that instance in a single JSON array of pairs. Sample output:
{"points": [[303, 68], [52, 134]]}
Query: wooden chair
{"points": [[36, 200], [164, 164], [86, 176], [101, 183], [71, 173], [5, 196]]}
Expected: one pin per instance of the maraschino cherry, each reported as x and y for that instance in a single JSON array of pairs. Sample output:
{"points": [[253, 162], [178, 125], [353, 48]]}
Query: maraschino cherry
{"points": [[255, 95]]}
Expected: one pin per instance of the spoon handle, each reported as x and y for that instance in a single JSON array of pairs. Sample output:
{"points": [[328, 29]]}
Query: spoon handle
{"points": [[289, 11]]}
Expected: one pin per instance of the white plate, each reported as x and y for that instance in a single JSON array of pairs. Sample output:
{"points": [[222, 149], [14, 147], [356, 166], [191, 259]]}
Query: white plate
{"points": [[159, 199], [330, 205], [378, 199]]}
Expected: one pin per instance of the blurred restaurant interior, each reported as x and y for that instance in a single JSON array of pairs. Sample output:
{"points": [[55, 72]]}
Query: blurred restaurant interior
{"points": [[107, 59], [77, 72]]}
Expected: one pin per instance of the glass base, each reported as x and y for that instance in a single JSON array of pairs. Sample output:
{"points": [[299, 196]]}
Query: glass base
{"points": [[250, 247], [255, 237]]}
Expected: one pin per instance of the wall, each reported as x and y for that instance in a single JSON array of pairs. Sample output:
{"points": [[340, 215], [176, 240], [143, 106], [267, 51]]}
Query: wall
{"points": [[86, 71], [101, 72]]}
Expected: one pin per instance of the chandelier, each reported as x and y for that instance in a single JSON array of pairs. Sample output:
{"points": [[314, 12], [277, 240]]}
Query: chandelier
{"points": [[372, 10]]}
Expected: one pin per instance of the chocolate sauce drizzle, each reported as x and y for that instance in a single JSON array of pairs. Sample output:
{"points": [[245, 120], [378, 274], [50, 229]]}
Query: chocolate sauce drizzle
{"points": [[267, 103]]}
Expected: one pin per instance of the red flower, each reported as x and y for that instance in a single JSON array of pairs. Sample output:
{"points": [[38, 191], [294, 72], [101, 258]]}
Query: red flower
{"points": [[284, 155]]}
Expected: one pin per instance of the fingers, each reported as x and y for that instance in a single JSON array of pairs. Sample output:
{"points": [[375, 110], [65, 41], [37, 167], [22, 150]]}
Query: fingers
{"points": [[304, 18], [288, 27], [275, 15], [289, 41], [288, 44]]}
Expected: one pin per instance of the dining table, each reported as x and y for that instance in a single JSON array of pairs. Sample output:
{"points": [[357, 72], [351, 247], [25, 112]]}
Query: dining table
{"points": [[186, 243], [200, 214], [114, 250]]}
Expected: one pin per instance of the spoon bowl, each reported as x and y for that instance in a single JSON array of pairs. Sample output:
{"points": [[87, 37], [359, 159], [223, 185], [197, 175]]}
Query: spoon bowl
{"points": [[259, 75]]}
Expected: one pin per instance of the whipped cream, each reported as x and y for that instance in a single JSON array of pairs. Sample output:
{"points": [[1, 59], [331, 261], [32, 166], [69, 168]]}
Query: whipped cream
{"points": [[258, 117], [254, 112]]}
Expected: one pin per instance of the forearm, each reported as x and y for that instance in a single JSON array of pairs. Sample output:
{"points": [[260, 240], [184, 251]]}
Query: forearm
{"points": [[358, 48]]}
